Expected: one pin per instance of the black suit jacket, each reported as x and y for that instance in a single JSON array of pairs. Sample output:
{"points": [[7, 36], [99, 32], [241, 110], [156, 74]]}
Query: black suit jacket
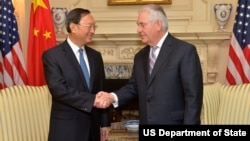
{"points": [[174, 91], [73, 117]]}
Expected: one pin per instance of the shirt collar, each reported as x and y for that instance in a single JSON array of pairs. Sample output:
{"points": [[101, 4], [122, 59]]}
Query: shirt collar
{"points": [[73, 46], [159, 44]]}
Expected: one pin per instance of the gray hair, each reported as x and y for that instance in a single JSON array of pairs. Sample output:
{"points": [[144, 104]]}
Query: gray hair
{"points": [[156, 12]]}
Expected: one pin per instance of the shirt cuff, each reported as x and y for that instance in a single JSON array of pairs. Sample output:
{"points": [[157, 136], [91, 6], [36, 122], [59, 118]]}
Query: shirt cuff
{"points": [[115, 104]]}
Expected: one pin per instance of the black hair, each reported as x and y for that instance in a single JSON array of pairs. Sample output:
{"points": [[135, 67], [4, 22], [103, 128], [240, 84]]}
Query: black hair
{"points": [[74, 16]]}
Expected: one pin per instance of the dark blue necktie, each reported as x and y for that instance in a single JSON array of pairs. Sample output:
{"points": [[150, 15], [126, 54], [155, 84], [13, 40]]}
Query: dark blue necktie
{"points": [[84, 66]]}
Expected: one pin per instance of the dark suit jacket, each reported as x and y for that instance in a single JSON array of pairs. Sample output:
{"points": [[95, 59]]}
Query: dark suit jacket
{"points": [[174, 91], [73, 117]]}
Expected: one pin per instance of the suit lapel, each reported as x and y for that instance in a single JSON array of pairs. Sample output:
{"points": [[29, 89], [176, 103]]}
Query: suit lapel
{"points": [[91, 66], [70, 56], [162, 57], [146, 64]]}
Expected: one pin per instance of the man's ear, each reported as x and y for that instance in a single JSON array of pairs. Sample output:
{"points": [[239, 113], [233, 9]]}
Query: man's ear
{"points": [[73, 27], [159, 24]]}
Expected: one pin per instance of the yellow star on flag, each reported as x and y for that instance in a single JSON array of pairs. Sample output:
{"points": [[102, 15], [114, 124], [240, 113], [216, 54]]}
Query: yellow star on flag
{"points": [[47, 34], [37, 3], [36, 32]]}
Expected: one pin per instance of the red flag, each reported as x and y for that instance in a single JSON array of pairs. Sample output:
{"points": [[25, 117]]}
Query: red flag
{"points": [[41, 38], [12, 64], [238, 69]]}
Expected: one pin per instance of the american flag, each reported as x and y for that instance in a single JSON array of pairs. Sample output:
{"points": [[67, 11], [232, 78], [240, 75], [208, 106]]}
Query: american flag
{"points": [[238, 69], [12, 65]]}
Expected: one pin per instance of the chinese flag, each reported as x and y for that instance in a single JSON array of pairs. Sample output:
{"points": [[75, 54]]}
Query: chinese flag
{"points": [[41, 38]]}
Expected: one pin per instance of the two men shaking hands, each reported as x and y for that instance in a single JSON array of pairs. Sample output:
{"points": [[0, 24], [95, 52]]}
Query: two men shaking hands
{"points": [[105, 99]]}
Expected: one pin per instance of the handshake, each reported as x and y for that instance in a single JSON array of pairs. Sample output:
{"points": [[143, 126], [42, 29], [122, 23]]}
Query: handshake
{"points": [[103, 100]]}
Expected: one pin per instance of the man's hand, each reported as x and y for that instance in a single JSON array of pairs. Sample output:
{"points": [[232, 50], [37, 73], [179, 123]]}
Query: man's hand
{"points": [[103, 99], [104, 133]]}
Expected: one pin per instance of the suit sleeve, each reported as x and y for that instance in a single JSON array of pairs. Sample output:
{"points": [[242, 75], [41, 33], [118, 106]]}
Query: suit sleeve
{"points": [[105, 119], [63, 84], [191, 76]]}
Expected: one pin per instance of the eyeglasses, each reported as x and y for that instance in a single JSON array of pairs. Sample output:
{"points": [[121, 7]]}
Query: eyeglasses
{"points": [[90, 26]]}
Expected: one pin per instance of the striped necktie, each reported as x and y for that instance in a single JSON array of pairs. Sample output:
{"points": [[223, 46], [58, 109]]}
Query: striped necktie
{"points": [[152, 58], [84, 66]]}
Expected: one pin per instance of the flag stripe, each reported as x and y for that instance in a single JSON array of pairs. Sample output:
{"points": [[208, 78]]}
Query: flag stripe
{"points": [[238, 59], [230, 78], [19, 65], [246, 52], [237, 65]]}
